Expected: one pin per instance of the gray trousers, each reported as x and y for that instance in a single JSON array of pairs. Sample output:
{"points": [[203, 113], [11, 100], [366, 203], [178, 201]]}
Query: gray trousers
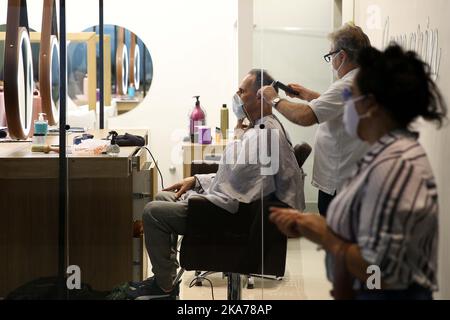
{"points": [[164, 219]]}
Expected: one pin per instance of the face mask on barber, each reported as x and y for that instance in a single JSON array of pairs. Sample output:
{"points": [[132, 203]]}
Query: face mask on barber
{"points": [[352, 118], [238, 107], [336, 71]]}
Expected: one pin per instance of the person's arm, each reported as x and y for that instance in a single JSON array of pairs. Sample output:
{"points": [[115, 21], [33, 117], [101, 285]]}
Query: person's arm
{"points": [[303, 93], [313, 227], [182, 187], [298, 113], [354, 261], [203, 181]]}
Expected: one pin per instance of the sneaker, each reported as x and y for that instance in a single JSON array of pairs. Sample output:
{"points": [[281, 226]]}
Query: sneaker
{"points": [[151, 291], [144, 283]]}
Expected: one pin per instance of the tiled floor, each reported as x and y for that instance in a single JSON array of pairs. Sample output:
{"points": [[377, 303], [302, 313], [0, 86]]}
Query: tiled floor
{"points": [[304, 279]]}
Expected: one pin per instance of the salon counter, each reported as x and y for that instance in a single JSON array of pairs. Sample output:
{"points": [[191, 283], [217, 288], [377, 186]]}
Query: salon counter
{"points": [[105, 195], [201, 152]]}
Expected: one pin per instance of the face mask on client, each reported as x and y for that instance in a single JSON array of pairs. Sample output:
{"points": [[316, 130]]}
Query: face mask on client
{"points": [[238, 107]]}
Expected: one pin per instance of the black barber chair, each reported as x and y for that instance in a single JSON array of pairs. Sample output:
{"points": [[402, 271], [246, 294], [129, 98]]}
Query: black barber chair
{"points": [[232, 243]]}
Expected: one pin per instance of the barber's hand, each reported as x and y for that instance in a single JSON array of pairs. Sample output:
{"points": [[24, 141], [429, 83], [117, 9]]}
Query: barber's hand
{"points": [[303, 93], [182, 187], [267, 93]]}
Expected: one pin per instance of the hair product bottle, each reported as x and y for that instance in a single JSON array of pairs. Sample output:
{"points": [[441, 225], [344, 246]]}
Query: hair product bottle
{"points": [[224, 121], [197, 118]]}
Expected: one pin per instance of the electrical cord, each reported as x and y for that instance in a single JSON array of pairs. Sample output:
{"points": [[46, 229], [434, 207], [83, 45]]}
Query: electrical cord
{"points": [[156, 164], [192, 284]]}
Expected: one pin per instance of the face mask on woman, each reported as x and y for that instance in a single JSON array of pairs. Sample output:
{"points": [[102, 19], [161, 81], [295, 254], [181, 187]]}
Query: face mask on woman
{"points": [[238, 107], [351, 116]]}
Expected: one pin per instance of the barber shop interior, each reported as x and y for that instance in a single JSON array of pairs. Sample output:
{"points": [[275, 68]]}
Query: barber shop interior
{"points": [[203, 150]]}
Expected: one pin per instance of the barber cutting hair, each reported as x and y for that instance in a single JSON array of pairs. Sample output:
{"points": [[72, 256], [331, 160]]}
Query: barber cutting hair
{"points": [[336, 152], [240, 178]]}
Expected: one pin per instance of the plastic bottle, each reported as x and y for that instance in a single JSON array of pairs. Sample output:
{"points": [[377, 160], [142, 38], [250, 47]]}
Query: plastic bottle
{"points": [[113, 149], [224, 121], [197, 118], [131, 91], [41, 125]]}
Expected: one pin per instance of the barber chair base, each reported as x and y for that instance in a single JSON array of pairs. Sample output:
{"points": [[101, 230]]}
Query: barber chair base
{"points": [[251, 279]]}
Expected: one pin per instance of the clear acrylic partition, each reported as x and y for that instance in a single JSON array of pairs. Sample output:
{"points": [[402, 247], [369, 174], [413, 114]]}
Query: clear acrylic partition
{"points": [[103, 234], [29, 212], [109, 194], [290, 39]]}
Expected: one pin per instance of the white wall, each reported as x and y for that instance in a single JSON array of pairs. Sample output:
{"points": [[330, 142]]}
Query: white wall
{"points": [[193, 47], [192, 44], [405, 16], [290, 41]]}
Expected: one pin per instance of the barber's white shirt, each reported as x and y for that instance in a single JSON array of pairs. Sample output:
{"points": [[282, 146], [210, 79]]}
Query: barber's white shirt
{"points": [[336, 153]]}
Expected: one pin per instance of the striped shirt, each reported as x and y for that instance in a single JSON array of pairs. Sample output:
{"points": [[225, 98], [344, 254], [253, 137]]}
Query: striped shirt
{"points": [[390, 209]]}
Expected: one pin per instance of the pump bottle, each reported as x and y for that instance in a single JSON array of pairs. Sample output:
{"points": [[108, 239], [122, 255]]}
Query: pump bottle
{"points": [[197, 118]]}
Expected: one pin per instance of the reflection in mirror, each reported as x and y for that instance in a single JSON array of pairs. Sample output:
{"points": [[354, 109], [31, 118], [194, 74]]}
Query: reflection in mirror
{"points": [[129, 74], [135, 62]]}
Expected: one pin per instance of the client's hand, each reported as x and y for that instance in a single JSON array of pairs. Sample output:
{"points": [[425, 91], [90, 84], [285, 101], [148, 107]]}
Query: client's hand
{"points": [[240, 125], [182, 187]]}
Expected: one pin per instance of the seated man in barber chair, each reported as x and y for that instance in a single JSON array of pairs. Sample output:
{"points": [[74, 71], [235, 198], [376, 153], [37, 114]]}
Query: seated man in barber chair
{"points": [[239, 179]]}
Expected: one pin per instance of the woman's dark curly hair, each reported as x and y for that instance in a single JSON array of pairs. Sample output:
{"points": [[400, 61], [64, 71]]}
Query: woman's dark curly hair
{"points": [[401, 83]]}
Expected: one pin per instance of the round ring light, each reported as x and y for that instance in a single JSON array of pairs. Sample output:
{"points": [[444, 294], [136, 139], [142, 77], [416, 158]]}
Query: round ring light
{"points": [[19, 86], [126, 69], [25, 82], [122, 69], [49, 63], [135, 62], [54, 78]]}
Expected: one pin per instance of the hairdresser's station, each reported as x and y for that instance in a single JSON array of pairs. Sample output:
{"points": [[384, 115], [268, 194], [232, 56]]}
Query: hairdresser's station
{"points": [[56, 156]]}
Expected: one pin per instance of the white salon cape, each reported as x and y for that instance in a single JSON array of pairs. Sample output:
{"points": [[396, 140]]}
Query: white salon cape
{"points": [[247, 173]]}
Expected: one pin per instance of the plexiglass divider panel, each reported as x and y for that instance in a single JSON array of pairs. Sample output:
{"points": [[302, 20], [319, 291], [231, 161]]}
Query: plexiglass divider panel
{"points": [[109, 189], [289, 42]]}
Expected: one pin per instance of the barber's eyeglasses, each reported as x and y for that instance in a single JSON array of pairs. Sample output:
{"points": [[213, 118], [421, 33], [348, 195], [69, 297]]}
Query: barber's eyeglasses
{"points": [[330, 55]]}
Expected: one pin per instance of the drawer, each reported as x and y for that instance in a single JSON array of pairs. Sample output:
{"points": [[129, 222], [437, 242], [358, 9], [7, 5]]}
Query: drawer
{"points": [[143, 182], [142, 189]]}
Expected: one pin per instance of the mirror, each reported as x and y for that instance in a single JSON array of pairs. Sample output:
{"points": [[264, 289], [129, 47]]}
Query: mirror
{"points": [[49, 63], [54, 77], [18, 72], [25, 82], [129, 73]]}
